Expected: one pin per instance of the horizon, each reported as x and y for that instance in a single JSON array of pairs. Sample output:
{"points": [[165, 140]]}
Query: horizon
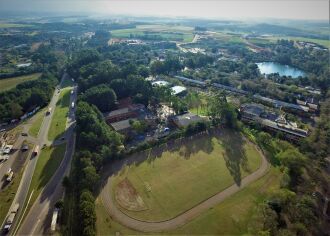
{"points": [[237, 9]]}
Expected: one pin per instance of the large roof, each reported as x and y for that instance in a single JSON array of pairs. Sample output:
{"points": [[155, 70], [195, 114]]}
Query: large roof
{"points": [[178, 89], [122, 125], [186, 119]]}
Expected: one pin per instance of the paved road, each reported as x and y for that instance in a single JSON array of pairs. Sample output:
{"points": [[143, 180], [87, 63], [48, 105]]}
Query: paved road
{"points": [[22, 191], [180, 220], [39, 217]]}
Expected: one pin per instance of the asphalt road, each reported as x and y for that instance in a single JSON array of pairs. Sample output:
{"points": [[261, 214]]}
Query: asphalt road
{"points": [[22, 191], [40, 215]]}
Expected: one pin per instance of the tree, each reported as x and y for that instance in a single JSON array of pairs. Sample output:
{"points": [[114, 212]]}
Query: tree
{"points": [[16, 110], [102, 96]]}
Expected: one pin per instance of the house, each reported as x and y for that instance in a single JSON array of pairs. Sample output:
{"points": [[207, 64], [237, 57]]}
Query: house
{"points": [[131, 111], [160, 83], [179, 90], [186, 119], [257, 113], [123, 126]]}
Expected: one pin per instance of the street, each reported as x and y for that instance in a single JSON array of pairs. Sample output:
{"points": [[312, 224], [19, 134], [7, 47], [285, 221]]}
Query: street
{"points": [[41, 212], [53, 190]]}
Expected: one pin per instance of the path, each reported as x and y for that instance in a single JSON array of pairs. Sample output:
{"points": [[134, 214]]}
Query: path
{"points": [[179, 220]]}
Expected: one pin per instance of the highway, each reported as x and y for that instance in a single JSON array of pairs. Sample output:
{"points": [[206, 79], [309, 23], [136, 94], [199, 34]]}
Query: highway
{"points": [[41, 212], [22, 191]]}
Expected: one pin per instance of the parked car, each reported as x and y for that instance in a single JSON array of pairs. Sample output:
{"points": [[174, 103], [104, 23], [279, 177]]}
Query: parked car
{"points": [[24, 134]]}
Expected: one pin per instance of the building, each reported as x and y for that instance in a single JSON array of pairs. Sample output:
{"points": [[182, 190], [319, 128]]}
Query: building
{"points": [[123, 126], [270, 121], [186, 119], [160, 83], [131, 111], [179, 90], [191, 81]]}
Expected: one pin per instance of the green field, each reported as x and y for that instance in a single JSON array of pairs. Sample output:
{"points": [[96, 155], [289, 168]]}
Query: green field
{"points": [[9, 83], [58, 124], [49, 160], [323, 42], [37, 121], [176, 33], [7, 195], [11, 25], [183, 176], [234, 216]]}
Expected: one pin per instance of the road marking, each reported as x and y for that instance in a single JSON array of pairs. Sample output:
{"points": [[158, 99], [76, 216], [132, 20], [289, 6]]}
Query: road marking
{"points": [[34, 228], [23, 213]]}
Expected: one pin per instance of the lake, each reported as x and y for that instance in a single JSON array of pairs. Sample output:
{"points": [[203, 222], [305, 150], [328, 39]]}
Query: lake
{"points": [[272, 67]]}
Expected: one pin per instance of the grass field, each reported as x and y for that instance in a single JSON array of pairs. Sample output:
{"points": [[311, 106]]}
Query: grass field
{"points": [[323, 42], [182, 176], [35, 127], [7, 195], [48, 161], [177, 33], [58, 124], [234, 216], [9, 83], [11, 25]]}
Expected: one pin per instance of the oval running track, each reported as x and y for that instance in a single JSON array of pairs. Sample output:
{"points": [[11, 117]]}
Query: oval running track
{"points": [[181, 219]]}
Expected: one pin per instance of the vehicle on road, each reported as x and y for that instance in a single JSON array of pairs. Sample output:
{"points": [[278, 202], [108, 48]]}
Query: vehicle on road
{"points": [[49, 111], [8, 172], [72, 105], [54, 220], [72, 91], [10, 176], [11, 218], [35, 150]]}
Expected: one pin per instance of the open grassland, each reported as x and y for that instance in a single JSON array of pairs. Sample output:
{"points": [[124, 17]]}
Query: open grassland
{"points": [[7, 195], [166, 32], [237, 214], [9, 83], [322, 42], [58, 124], [49, 160], [234, 216], [36, 123], [12, 25], [172, 181]]}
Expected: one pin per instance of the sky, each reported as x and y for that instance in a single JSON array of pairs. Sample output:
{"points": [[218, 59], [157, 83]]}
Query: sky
{"points": [[285, 9]]}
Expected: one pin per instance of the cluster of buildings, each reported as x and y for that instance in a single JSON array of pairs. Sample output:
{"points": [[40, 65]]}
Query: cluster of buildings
{"points": [[257, 113], [176, 90], [121, 119]]}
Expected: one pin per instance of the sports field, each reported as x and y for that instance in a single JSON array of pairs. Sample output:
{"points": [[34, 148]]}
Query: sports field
{"points": [[9, 83], [175, 178]]}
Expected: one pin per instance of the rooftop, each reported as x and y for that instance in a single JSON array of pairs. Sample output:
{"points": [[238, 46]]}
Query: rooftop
{"points": [[186, 119], [160, 83], [178, 89], [122, 125]]}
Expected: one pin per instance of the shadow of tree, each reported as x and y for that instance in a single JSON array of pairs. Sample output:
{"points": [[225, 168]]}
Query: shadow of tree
{"points": [[234, 154]]}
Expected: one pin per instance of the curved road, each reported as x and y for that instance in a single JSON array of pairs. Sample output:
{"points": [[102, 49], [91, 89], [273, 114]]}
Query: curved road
{"points": [[185, 217]]}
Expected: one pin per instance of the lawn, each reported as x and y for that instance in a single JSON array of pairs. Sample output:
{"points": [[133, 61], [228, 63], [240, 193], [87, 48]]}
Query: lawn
{"points": [[11, 25], [172, 181], [58, 124], [234, 216], [9, 83], [49, 160], [177, 33], [7, 195], [323, 42], [237, 214], [37, 121]]}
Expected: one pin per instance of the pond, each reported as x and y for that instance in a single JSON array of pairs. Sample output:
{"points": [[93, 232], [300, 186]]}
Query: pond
{"points": [[282, 70]]}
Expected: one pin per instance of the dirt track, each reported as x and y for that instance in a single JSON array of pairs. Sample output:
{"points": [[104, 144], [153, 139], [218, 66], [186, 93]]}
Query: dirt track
{"points": [[181, 219]]}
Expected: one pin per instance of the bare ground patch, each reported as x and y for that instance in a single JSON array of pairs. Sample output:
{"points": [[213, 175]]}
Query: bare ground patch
{"points": [[128, 198]]}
